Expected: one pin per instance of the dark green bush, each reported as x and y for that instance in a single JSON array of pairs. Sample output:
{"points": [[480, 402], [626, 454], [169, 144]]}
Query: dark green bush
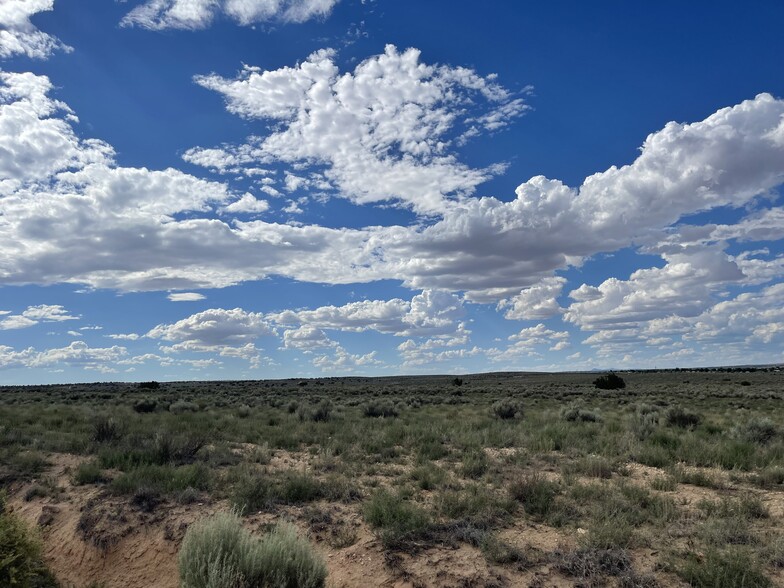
{"points": [[609, 381], [144, 405]]}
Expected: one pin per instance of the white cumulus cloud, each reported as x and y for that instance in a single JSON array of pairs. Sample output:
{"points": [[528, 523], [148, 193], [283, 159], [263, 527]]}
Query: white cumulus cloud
{"points": [[18, 36], [199, 14], [381, 131]]}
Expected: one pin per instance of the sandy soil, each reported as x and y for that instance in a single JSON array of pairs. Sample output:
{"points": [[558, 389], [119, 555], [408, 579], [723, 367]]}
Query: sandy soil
{"points": [[91, 538]]}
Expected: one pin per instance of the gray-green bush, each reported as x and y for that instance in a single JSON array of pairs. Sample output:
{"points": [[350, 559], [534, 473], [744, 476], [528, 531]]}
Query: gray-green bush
{"points": [[219, 553]]}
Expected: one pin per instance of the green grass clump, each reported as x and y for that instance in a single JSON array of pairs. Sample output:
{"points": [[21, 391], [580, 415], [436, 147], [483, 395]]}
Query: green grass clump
{"points": [[664, 483], [699, 478], [428, 477], [163, 479], [475, 464], [218, 552], [20, 555], [398, 520], [723, 568], [474, 503], [535, 493], [88, 472]]}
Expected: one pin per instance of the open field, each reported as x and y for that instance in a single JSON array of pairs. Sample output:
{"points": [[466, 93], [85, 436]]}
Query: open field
{"points": [[490, 480]]}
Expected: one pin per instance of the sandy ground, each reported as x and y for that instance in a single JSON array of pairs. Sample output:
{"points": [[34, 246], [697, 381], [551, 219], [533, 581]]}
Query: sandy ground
{"points": [[91, 538]]}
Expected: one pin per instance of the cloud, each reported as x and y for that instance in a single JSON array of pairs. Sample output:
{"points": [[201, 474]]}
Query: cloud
{"points": [[525, 342], [77, 353], [343, 361], [537, 302], [16, 322], [185, 296], [306, 338], [212, 328], [380, 132], [749, 317], [427, 314], [199, 14], [683, 287], [18, 36], [125, 336], [70, 214], [48, 313], [247, 204], [34, 315]]}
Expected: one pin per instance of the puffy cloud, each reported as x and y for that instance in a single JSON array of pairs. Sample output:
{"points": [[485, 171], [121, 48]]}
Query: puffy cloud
{"points": [[682, 287], [427, 314], [538, 335], [185, 296], [18, 36], [381, 132], [247, 204], [215, 327], [48, 313], [68, 213], [343, 361], [199, 14], [749, 317], [77, 353], [34, 315], [306, 338], [537, 302], [16, 322], [525, 342]]}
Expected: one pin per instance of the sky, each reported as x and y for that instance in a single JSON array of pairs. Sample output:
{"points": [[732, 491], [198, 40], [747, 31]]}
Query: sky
{"points": [[247, 189]]}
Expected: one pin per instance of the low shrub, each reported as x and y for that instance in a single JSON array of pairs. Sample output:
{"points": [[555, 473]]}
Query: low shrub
{"points": [[576, 412], [376, 409], [183, 406], [219, 552], [677, 416], [106, 430], [145, 405], [318, 413], [756, 430], [508, 408], [88, 472]]}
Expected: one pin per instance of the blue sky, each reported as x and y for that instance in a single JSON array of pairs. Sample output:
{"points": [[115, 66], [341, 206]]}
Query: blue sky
{"points": [[218, 189]]}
